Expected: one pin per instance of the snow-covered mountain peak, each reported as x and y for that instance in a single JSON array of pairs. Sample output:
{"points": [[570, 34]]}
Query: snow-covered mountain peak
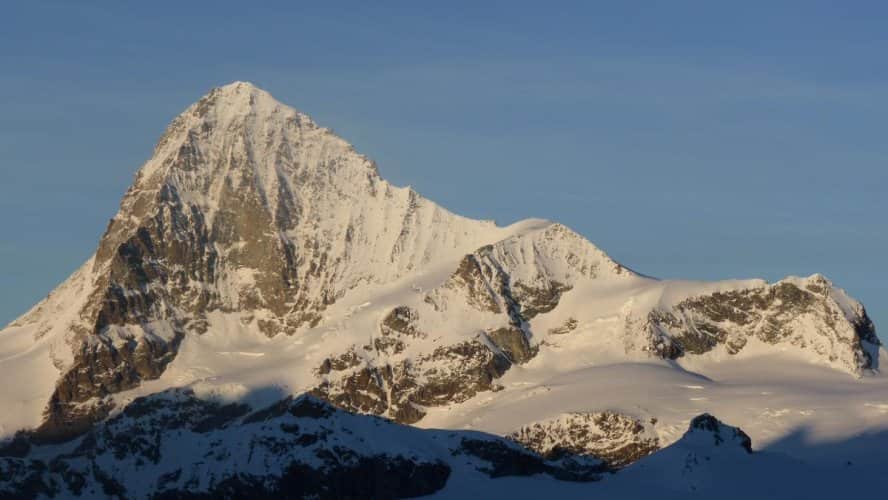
{"points": [[239, 86], [257, 249], [237, 100], [239, 97], [263, 211], [242, 116]]}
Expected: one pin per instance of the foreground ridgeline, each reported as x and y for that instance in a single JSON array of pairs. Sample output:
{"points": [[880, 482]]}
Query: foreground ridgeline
{"points": [[257, 249], [175, 445]]}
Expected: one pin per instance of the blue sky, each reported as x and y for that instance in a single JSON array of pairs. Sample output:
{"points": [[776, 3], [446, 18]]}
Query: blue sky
{"points": [[687, 139]]}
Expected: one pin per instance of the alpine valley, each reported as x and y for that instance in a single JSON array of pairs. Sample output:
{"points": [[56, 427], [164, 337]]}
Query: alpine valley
{"points": [[267, 317]]}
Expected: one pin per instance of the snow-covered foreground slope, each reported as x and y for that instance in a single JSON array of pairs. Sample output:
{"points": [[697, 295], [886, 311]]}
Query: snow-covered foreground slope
{"points": [[176, 444], [258, 255], [710, 461]]}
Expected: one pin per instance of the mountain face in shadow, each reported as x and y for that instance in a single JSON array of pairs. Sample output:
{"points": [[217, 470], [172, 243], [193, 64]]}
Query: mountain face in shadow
{"points": [[175, 444]]}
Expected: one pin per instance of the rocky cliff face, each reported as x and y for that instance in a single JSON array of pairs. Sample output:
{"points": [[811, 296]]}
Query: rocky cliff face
{"points": [[809, 313], [616, 440]]}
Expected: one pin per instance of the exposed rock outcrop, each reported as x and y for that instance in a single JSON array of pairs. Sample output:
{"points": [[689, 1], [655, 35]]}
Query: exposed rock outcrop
{"points": [[402, 389], [809, 314], [721, 434], [616, 440]]}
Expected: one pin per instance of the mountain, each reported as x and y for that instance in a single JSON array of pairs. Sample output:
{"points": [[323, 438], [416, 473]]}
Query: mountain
{"points": [[256, 249], [177, 445]]}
